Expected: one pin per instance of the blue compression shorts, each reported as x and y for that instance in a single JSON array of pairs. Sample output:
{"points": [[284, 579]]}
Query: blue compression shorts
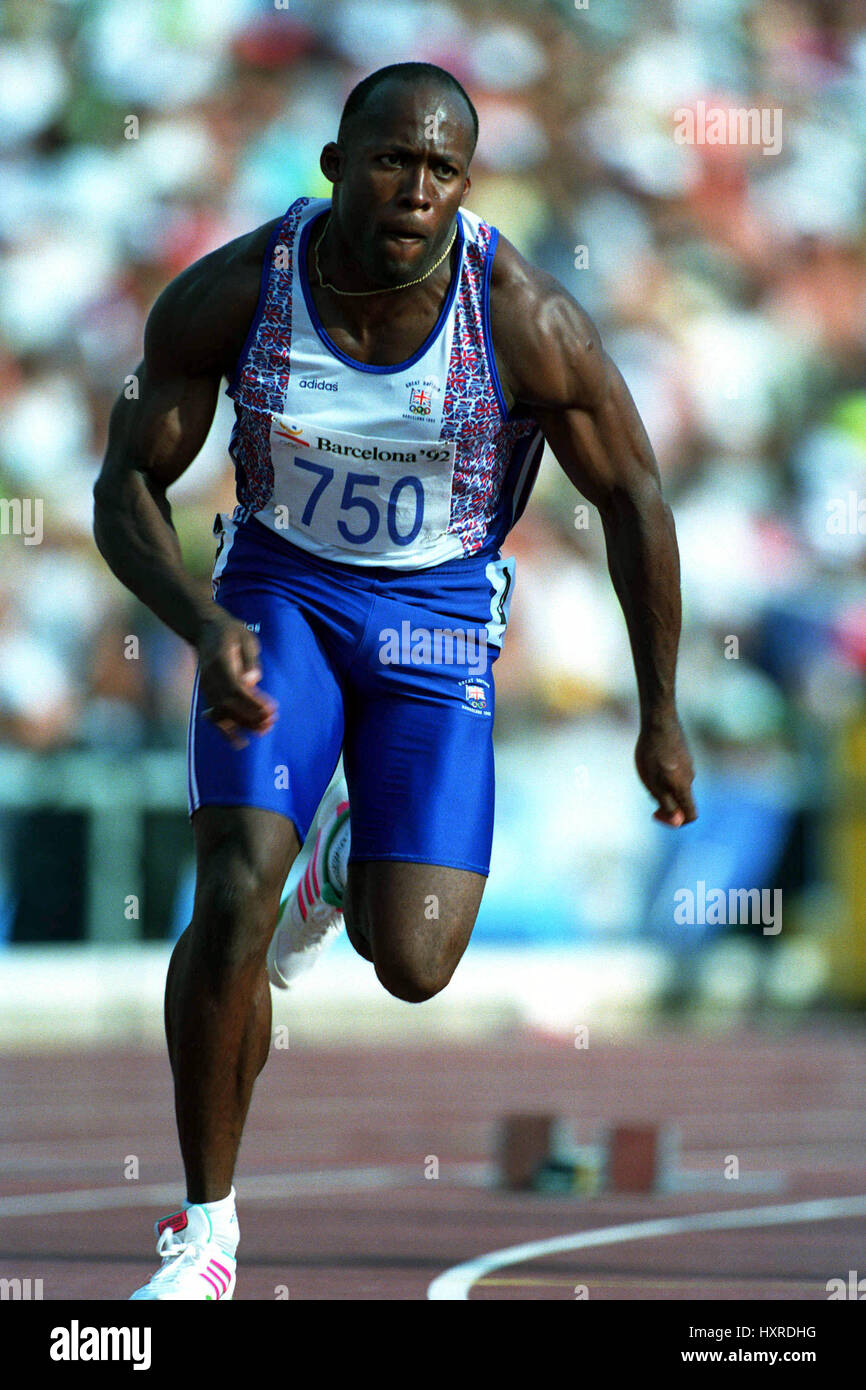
{"points": [[391, 667]]}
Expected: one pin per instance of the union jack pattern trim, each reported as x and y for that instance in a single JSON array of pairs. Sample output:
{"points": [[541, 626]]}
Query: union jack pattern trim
{"points": [[264, 376], [471, 412]]}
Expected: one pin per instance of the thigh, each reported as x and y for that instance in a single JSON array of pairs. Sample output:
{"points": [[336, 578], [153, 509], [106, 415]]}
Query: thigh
{"points": [[415, 920], [419, 765], [418, 749], [420, 775], [287, 770]]}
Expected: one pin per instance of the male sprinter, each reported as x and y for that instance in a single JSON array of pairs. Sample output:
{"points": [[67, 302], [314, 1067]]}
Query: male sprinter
{"points": [[395, 368]]}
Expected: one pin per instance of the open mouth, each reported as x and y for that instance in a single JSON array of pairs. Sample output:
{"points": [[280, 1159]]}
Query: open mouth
{"points": [[402, 238]]}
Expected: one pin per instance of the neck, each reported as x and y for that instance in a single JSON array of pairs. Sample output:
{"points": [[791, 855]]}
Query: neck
{"points": [[341, 268]]}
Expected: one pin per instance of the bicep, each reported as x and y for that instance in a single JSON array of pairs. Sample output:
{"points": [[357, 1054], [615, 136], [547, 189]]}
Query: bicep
{"points": [[162, 418], [561, 373], [162, 431]]}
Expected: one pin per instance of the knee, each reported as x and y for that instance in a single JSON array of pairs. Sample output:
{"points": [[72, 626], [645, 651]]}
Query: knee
{"points": [[414, 975], [236, 906], [412, 986], [357, 928], [358, 940]]}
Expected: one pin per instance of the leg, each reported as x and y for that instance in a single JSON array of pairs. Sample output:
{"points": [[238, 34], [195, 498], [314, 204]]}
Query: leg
{"points": [[217, 1003], [355, 932], [421, 789], [419, 766], [415, 921], [246, 807]]}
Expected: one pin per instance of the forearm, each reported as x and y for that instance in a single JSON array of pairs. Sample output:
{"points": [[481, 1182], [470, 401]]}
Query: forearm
{"points": [[643, 561], [137, 540]]}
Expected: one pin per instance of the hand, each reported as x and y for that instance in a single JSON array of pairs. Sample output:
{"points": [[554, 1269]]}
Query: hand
{"points": [[665, 768], [229, 675]]}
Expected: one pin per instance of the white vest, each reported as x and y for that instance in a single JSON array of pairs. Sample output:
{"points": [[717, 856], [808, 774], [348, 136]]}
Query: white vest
{"points": [[404, 466]]}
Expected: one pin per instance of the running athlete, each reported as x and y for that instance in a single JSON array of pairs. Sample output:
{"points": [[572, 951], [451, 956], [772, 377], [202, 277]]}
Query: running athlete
{"points": [[395, 367]]}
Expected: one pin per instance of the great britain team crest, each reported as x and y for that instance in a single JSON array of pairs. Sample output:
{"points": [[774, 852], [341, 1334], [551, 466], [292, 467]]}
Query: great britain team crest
{"points": [[475, 695], [421, 398]]}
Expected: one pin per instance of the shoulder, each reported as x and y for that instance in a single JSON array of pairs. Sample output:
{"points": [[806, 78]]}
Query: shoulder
{"points": [[547, 345], [200, 320]]}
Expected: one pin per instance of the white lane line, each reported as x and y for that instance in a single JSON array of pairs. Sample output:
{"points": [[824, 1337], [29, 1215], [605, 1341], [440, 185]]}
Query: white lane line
{"points": [[267, 1187], [456, 1282]]}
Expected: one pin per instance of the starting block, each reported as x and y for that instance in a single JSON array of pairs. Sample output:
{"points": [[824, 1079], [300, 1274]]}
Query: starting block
{"points": [[537, 1153], [641, 1157]]}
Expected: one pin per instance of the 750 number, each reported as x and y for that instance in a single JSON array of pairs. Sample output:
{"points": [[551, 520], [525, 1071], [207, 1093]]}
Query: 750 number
{"points": [[353, 500]]}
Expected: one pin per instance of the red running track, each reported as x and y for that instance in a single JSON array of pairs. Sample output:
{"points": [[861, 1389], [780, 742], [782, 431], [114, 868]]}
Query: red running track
{"points": [[334, 1197]]}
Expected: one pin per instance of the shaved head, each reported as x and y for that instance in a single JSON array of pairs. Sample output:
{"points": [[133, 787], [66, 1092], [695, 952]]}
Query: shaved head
{"points": [[359, 102]]}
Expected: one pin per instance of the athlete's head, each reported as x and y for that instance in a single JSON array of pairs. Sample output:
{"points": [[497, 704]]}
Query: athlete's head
{"points": [[401, 164]]}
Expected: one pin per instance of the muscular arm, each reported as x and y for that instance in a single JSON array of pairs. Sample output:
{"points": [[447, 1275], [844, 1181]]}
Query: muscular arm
{"points": [[192, 339], [553, 362], [151, 442]]}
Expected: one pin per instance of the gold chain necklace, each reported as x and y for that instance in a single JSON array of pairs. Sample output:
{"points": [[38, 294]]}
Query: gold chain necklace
{"points": [[392, 289]]}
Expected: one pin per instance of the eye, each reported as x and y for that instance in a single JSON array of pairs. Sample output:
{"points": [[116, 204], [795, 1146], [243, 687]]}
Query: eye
{"points": [[391, 158]]}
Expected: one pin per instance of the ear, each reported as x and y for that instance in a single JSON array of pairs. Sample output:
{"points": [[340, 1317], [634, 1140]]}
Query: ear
{"points": [[466, 187], [332, 162]]}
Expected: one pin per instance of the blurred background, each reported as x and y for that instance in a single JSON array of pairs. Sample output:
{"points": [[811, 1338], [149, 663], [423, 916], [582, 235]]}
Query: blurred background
{"points": [[728, 281]]}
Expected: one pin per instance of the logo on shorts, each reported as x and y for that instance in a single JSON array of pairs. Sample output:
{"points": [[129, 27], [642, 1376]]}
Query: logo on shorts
{"points": [[474, 695]]}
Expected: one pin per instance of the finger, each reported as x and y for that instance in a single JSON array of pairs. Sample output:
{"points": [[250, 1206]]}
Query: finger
{"points": [[265, 704], [230, 729], [251, 709], [222, 717], [667, 800], [225, 726], [251, 698], [680, 799], [242, 673]]}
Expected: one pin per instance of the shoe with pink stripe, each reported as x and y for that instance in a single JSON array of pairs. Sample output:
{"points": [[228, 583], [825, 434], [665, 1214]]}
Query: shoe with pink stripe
{"points": [[193, 1266], [311, 915]]}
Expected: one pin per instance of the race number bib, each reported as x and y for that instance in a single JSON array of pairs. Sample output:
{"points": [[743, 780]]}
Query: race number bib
{"points": [[387, 498]]}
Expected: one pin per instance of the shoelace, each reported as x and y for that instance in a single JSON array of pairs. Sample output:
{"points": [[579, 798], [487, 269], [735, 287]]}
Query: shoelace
{"points": [[172, 1250]]}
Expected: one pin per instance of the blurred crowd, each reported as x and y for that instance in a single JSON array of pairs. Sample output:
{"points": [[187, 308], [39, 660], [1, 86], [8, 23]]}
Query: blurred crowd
{"points": [[728, 282]]}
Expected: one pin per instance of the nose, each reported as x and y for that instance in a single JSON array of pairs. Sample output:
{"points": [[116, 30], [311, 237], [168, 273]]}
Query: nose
{"points": [[415, 191]]}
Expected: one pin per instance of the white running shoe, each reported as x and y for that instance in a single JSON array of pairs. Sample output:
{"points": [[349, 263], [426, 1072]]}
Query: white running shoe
{"points": [[311, 916], [193, 1265]]}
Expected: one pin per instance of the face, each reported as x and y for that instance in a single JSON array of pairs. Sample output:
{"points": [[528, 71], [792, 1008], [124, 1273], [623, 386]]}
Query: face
{"points": [[400, 178]]}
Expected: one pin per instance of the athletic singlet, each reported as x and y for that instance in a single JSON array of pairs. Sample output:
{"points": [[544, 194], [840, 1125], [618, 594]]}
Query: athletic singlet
{"points": [[403, 466]]}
